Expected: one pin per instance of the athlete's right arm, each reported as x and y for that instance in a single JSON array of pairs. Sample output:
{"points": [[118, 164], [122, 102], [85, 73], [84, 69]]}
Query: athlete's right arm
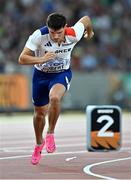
{"points": [[27, 57]]}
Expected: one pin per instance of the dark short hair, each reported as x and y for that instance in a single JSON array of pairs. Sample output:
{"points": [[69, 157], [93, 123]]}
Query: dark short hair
{"points": [[56, 21]]}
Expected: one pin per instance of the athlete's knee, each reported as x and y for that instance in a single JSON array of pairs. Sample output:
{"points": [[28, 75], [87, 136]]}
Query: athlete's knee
{"points": [[39, 114], [54, 99]]}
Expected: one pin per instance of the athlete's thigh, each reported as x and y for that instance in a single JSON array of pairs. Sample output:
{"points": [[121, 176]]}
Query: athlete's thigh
{"points": [[40, 91], [40, 94], [60, 83], [63, 78], [57, 90]]}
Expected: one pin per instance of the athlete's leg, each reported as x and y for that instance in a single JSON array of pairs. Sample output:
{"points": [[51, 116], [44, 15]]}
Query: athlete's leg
{"points": [[39, 122], [56, 93]]}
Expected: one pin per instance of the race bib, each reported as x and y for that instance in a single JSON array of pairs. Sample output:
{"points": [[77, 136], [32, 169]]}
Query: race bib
{"points": [[54, 65]]}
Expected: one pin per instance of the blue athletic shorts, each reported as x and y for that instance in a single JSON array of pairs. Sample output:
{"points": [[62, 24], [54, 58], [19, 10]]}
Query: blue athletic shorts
{"points": [[42, 83]]}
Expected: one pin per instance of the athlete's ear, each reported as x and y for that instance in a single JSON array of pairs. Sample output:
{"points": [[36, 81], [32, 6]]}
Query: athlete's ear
{"points": [[65, 27]]}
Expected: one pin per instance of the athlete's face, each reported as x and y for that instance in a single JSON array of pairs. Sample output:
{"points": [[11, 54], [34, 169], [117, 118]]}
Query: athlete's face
{"points": [[57, 35]]}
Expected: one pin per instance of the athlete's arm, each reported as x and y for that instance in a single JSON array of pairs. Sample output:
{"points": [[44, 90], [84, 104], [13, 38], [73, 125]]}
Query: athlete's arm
{"points": [[27, 57], [86, 21]]}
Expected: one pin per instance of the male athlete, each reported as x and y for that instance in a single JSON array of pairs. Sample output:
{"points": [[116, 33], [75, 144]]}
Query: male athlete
{"points": [[49, 50]]}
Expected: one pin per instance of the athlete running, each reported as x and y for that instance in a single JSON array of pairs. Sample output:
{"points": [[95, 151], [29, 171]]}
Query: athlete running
{"points": [[49, 50]]}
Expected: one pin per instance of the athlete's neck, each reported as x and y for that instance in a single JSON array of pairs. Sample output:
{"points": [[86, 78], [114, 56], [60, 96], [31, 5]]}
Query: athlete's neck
{"points": [[59, 42]]}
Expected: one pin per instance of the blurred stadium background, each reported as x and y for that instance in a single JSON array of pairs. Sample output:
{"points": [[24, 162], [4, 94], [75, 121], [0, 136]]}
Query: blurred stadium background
{"points": [[101, 67]]}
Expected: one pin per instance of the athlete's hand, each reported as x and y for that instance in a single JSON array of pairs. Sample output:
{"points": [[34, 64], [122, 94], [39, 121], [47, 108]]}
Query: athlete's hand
{"points": [[88, 35], [48, 56]]}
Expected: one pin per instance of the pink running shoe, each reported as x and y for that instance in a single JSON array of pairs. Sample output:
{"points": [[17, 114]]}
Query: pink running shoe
{"points": [[36, 156], [50, 143]]}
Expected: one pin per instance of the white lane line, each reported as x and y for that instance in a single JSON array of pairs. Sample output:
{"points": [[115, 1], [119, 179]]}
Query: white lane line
{"points": [[15, 157], [20, 140], [25, 149], [29, 149], [58, 145], [87, 169], [71, 158], [17, 151], [53, 154], [15, 148]]}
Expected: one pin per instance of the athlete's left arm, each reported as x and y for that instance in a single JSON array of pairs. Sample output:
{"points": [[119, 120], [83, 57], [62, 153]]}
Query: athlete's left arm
{"points": [[86, 21]]}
